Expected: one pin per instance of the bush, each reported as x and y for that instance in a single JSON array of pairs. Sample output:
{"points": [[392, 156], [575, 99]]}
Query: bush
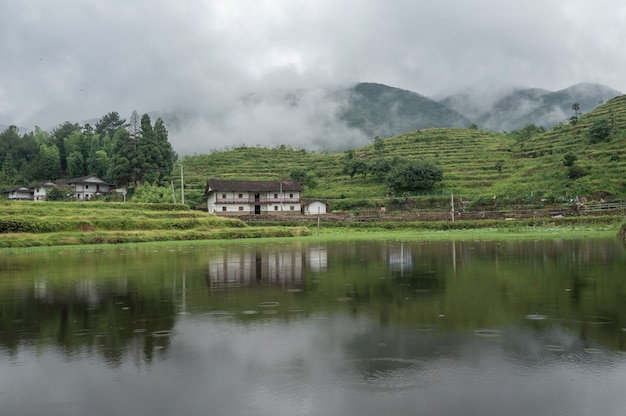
{"points": [[600, 131]]}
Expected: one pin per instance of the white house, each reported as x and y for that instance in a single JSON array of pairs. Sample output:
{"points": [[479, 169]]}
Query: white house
{"points": [[40, 190], [315, 207], [19, 193], [253, 197], [85, 188]]}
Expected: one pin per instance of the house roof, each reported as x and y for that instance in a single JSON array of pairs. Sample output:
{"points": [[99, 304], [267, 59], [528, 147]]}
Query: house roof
{"points": [[220, 185], [83, 179]]}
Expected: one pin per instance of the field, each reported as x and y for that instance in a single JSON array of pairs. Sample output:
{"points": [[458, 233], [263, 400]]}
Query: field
{"points": [[27, 224]]}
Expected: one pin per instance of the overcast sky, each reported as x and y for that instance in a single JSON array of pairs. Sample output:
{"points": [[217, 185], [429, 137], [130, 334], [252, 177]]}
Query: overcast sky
{"points": [[79, 59]]}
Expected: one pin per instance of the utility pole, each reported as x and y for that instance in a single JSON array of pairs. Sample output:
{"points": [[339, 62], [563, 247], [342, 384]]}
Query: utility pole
{"points": [[182, 186], [452, 205]]}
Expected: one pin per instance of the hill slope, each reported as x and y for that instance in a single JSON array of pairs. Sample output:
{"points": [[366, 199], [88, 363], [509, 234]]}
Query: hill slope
{"points": [[380, 110], [531, 167], [522, 107]]}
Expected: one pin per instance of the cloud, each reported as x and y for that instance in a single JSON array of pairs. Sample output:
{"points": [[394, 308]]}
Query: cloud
{"points": [[76, 60]]}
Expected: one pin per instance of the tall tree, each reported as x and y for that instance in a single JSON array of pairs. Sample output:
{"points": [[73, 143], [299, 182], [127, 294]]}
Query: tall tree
{"points": [[121, 168], [108, 124], [59, 135], [168, 156], [48, 163], [148, 153]]}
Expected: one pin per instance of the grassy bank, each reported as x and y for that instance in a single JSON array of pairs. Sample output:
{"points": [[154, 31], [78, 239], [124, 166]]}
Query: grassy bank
{"points": [[30, 224]]}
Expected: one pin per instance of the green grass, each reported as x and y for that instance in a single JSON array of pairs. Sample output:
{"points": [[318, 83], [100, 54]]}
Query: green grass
{"points": [[27, 224]]}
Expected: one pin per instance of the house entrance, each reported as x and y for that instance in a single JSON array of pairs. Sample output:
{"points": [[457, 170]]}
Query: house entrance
{"points": [[257, 209]]}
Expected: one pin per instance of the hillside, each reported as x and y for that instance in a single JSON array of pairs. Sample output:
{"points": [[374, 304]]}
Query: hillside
{"points": [[522, 107], [380, 110], [531, 166]]}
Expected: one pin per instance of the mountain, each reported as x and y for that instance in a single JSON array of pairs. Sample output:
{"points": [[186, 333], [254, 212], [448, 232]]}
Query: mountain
{"points": [[521, 107], [380, 110]]}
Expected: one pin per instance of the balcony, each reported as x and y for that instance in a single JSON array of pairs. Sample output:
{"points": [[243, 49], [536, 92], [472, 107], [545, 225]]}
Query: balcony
{"points": [[259, 201]]}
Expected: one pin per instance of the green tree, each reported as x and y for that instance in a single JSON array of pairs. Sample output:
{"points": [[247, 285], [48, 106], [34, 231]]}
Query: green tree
{"points": [[298, 174], [8, 173], [59, 135], [380, 167], [48, 163], [121, 168], [414, 176], [109, 124], [569, 159], [75, 164], [600, 131], [149, 193], [148, 153], [379, 145], [166, 152], [61, 193]]}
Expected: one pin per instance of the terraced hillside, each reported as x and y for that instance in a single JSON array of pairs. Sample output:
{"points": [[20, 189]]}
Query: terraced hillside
{"points": [[477, 164]]}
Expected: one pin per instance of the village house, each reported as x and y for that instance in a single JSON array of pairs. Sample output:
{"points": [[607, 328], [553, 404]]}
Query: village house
{"points": [[85, 189], [19, 193], [253, 197], [314, 207]]}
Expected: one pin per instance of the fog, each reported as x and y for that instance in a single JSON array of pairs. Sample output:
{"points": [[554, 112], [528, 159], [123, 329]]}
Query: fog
{"points": [[226, 66]]}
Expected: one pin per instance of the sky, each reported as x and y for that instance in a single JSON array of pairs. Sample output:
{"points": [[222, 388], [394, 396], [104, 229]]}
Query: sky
{"points": [[225, 65]]}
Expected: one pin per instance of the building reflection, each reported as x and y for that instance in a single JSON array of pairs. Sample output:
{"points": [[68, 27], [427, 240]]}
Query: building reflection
{"points": [[255, 267]]}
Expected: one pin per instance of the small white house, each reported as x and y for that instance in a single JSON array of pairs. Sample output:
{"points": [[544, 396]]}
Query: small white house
{"points": [[315, 207], [85, 188], [19, 193], [40, 190]]}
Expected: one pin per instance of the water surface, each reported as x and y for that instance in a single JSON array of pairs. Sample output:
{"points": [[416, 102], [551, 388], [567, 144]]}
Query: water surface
{"points": [[355, 328]]}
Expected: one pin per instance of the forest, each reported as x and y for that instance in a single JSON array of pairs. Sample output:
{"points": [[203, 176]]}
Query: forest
{"points": [[115, 150]]}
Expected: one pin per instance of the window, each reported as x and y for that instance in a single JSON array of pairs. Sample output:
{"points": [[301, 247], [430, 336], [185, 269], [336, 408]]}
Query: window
{"points": [[292, 208], [275, 196], [86, 186], [240, 208], [275, 207], [224, 209], [224, 196], [290, 195], [240, 195]]}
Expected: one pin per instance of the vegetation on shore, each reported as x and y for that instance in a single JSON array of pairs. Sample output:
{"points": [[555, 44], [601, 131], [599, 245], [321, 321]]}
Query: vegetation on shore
{"points": [[27, 224]]}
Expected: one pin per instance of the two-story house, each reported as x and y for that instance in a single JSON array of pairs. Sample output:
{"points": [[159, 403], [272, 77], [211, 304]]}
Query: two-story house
{"points": [[253, 197]]}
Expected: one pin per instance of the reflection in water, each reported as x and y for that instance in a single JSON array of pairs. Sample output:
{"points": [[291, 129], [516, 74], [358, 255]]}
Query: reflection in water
{"points": [[354, 328]]}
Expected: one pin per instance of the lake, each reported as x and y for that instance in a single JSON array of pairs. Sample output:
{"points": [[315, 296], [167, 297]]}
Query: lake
{"points": [[316, 328]]}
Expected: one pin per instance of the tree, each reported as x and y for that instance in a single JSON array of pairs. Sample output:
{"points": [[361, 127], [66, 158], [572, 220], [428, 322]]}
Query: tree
{"points": [[59, 135], [48, 164], [569, 159], [75, 164], [167, 154], [600, 131], [414, 176], [148, 154], [61, 193], [121, 168], [353, 167], [379, 145], [380, 167], [108, 124], [298, 174], [576, 107]]}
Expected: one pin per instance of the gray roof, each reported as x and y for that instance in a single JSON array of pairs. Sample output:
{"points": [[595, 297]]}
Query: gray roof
{"points": [[223, 185]]}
